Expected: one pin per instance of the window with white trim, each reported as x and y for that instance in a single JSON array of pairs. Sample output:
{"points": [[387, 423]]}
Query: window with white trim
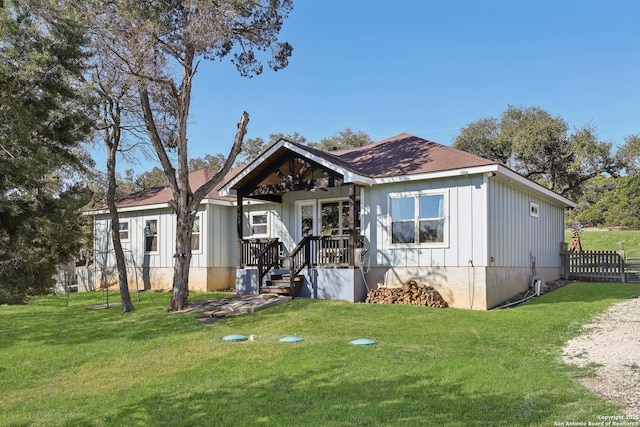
{"points": [[195, 234], [259, 224], [534, 209], [151, 235], [418, 218], [123, 231]]}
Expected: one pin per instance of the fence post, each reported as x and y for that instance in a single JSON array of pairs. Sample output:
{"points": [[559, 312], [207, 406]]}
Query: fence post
{"points": [[564, 261], [623, 258]]}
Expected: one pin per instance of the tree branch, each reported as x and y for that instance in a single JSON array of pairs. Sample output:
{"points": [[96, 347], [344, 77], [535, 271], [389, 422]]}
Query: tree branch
{"points": [[156, 141], [199, 194]]}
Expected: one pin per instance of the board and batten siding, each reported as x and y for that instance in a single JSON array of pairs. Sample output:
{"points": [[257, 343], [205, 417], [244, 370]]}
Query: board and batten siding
{"points": [[516, 237], [465, 219], [217, 238], [134, 247]]}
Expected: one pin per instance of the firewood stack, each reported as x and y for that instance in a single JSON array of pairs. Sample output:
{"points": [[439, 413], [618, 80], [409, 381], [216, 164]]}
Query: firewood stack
{"points": [[411, 293]]}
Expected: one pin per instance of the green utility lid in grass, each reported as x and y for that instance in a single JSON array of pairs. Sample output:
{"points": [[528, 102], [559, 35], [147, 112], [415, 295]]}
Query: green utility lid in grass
{"points": [[291, 339], [234, 338], [363, 341]]}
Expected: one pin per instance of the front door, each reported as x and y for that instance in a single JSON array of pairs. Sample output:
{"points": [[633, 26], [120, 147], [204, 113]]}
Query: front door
{"points": [[305, 219]]}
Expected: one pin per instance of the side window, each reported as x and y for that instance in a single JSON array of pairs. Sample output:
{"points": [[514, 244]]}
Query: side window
{"points": [[534, 209], [123, 231], [195, 235], [259, 224], [418, 218], [151, 235]]}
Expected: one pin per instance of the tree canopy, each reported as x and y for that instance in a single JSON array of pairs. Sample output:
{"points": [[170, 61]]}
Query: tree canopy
{"points": [[343, 139], [44, 120], [540, 147]]}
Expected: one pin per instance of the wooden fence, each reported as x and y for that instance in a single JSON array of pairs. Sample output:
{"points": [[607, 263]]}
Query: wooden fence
{"points": [[594, 266]]}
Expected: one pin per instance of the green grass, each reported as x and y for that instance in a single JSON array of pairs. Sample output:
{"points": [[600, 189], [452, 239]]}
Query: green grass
{"points": [[609, 240], [76, 367]]}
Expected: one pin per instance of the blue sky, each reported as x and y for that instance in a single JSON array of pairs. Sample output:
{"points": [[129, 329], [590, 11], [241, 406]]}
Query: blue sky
{"points": [[429, 68]]}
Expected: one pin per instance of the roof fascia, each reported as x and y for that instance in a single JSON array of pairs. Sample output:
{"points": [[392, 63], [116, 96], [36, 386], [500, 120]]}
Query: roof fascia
{"points": [[438, 174], [496, 169], [157, 206], [521, 181]]}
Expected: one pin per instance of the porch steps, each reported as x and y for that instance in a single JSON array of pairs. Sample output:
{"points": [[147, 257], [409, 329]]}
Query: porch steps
{"points": [[280, 284]]}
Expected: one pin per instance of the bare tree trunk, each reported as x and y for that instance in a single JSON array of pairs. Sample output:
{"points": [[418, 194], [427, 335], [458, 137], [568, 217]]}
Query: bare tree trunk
{"points": [[112, 149], [182, 265]]}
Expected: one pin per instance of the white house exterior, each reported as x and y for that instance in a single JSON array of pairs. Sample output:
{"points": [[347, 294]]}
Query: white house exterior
{"points": [[347, 221], [147, 232], [474, 229]]}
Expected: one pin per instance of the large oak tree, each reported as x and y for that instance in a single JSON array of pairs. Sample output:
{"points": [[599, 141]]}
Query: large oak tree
{"points": [[540, 147], [162, 43]]}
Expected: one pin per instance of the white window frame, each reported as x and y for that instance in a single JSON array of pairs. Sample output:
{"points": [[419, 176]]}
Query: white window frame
{"points": [[198, 218], [534, 209], [144, 236], [309, 203], [267, 224], [416, 220], [127, 230]]}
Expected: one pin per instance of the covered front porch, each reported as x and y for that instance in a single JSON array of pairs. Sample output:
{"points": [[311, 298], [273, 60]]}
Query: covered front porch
{"points": [[313, 246]]}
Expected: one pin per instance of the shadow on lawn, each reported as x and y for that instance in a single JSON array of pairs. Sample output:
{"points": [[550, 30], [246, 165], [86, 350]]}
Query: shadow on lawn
{"points": [[287, 400], [51, 325]]}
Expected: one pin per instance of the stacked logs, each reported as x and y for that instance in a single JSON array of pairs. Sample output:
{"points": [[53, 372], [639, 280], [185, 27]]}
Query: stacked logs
{"points": [[411, 293]]}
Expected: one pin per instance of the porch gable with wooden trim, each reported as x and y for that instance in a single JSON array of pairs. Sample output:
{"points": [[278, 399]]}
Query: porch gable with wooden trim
{"points": [[281, 171]]}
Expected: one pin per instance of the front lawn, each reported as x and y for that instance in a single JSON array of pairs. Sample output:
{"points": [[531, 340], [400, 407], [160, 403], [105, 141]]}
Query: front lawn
{"points": [[72, 366]]}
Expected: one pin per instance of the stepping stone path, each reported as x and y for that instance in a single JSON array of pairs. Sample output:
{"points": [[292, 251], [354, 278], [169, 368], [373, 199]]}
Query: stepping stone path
{"points": [[213, 310]]}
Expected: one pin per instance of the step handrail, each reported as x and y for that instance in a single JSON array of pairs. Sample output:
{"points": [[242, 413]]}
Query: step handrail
{"points": [[268, 259]]}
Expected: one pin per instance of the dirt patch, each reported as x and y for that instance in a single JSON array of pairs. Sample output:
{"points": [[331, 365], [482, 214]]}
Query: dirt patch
{"points": [[611, 345]]}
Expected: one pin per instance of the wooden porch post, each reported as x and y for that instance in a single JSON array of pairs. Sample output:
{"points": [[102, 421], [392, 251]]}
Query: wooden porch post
{"points": [[239, 217], [352, 224]]}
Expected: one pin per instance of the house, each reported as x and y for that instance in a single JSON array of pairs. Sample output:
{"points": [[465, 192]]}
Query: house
{"points": [[147, 232], [342, 222], [335, 224]]}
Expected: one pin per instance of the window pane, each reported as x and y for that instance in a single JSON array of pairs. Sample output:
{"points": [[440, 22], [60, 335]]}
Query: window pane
{"points": [[432, 231], [151, 235], [402, 232], [124, 230], [402, 208], [432, 206], [195, 242], [306, 213], [195, 236], [345, 217], [259, 219], [330, 219], [151, 244], [258, 229]]}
